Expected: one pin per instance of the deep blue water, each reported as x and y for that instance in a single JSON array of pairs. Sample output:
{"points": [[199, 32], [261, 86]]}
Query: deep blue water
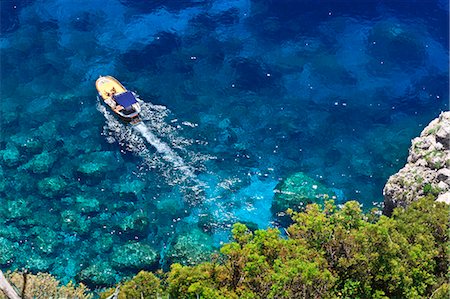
{"points": [[240, 94]]}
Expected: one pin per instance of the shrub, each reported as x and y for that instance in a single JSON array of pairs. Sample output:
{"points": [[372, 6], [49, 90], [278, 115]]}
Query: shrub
{"points": [[43, 285]]}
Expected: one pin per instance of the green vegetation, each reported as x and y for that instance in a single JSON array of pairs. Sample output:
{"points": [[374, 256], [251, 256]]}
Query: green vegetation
{"points": [[143, 285], [433, 130], [43, 285], [327, 252], [429, 189]]}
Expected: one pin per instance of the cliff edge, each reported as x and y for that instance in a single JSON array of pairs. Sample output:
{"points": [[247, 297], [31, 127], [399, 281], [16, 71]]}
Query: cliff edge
{"points": [[427, 171]]}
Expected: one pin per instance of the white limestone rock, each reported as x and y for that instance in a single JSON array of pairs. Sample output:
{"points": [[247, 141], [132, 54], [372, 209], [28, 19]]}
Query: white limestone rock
{"points": [[427, 171], [444, 198]]}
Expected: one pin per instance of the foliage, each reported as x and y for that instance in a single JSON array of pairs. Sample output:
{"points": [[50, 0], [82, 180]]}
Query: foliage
{"points": [[43, 285], [327, 252], [267, 266], [442, 292], [398, 257], [430, 189], [143, 285]]}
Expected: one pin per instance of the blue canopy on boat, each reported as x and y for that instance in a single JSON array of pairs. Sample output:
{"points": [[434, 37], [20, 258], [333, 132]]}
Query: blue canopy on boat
{"points": [[125, 99]]}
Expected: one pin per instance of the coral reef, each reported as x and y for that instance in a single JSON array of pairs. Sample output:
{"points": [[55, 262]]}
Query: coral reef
{"points": [[10, 155], [135, 225], [37, 262], [427, 171], [85, 204], [129, 189], [134, 256], [98, 165], [296, 191], [190, 248], [41, 163], [74, 222], [52, 187], [98, 274], [390, 41], [7, 251]]}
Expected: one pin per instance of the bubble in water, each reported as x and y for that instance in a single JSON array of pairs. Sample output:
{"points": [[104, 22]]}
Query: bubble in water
{"points": [[173, 160]]}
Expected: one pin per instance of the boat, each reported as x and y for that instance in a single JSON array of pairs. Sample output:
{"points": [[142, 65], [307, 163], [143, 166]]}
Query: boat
{"points": [[124, 103]]}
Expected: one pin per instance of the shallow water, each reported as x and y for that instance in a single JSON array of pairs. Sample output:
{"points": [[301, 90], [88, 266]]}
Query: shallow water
{"points": [[239, 95]]}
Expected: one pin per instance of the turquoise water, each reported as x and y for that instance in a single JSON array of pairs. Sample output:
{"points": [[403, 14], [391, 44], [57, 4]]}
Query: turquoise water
{"points": [[239, 95]]}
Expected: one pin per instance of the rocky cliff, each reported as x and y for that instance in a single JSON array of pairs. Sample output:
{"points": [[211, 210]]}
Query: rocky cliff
{"points": [[427, 171]]}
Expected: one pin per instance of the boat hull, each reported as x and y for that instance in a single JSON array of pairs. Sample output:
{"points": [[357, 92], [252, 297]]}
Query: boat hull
{"points": [[107, 87]]}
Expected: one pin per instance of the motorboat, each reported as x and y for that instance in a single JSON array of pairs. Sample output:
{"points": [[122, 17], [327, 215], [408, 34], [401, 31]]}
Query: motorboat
{"points": [[124, 103]]}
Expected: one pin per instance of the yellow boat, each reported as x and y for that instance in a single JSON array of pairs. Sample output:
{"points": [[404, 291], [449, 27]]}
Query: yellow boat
{"points": [[121, 101]]}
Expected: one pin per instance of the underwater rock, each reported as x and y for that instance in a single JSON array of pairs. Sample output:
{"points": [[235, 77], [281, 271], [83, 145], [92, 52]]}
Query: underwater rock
{"points": [[190, 248], [43, 140], [128, 190], [426, 172], [250, 74], [296, 191], [3, 186], [36, 263], [73, 222], [163, 45], [169, 207], [45, 240], [104, 242], [134, 257], [331, 72], [21, 182], [86, 204], [98, 275], [28, 145], [10, 156], [207, 222], [7, 251], [136, 224], [11, 232], [98, 165], [397, 44], [3, 183], [92, 169], [17, 209], [9, 118], [47, 132], [52, 187], [41, 163]]}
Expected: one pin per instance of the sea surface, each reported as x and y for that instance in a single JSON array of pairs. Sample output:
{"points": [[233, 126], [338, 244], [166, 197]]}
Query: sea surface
{"points": [[239, 95]]}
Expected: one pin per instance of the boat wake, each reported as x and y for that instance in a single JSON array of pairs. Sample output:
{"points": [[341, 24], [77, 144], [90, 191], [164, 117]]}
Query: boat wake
{"points": [[168, 152]]}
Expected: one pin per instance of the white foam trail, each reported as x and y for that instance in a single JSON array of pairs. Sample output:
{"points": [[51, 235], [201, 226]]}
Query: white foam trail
{"points": [[124, 135], [167, 153], [151, 131]]}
